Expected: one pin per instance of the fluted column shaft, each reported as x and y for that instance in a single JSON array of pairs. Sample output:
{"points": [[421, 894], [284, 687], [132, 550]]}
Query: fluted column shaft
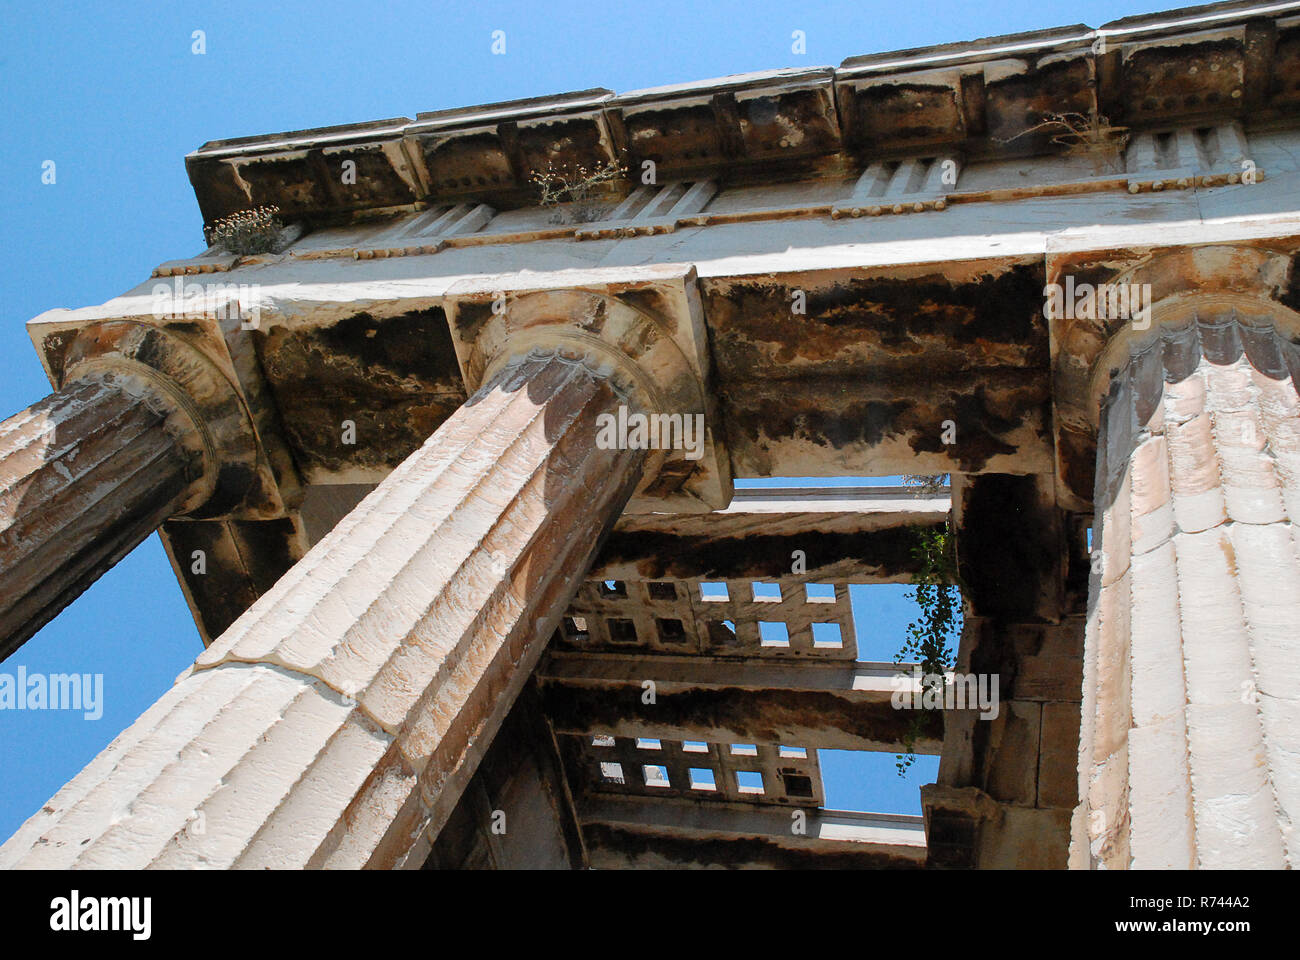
{"points": [[1190, 740], [85, 475], [336, 722]]}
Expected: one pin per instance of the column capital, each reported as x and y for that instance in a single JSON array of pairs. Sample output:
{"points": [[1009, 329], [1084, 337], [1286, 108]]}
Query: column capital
{"points": [[1193, 318], [647, 337], [621, 343], [1174, 288], [186, 364]]}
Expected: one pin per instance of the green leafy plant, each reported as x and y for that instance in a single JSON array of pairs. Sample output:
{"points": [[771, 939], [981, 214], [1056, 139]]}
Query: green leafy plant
{"points": [[247, 232], [928, 637]]}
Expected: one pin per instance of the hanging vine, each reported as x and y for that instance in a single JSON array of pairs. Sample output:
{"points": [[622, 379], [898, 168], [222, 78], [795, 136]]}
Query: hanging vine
{"points": [[938, 597]]}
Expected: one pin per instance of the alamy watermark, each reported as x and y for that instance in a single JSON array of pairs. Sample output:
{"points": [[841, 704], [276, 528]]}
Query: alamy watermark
{"points": [[1100, 301], [946, 691], [54, 691], [225, 301], [655, 431], [76, 913]]}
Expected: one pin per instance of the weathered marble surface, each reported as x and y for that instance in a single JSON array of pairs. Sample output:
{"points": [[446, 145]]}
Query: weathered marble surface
{"points": [[336, 722]]}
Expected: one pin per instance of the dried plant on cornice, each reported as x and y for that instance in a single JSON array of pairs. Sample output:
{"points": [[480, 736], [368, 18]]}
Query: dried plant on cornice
{"points": [[1082, 136], [579, 186], [248, 232]]}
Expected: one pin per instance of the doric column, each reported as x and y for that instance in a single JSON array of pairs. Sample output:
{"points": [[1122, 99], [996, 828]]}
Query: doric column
{"points": [[336, 722], [145, 426], [85, 475], [1191, 709]]}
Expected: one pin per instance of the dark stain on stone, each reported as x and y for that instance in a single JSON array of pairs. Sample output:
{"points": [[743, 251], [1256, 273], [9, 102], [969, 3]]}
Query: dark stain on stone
{"points": [[222, 593], [951, 839], [1291, 295], [754, 326], [984, 417], [234, 480], [467, 163], [288, 182], [1158, 82], [760, 716], [471, 317], [905, 114], [1008, 548], [411, 344], [671, 556], [673, 137], [731, 852], [978, 427], [268, 548], [1286, 67], [187, 327], [769, 121], [151, 349], [395, 377], [216, 187], [556, 142], [1077, 455], [874, 359], [863, 422], [55, 347], [1019, 102], [377, 182], [243, 560], [648, 300]]}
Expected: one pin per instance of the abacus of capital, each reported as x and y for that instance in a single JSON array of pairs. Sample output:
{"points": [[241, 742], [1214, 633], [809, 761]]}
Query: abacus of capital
{"points": [[444, 627]]}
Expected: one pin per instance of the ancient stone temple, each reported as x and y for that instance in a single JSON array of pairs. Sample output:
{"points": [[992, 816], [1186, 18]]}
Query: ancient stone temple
{"points": [[443, 466]]}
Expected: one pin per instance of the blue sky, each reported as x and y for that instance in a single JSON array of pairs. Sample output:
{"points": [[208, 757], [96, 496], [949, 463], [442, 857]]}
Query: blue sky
{"points": [[114, 96]]}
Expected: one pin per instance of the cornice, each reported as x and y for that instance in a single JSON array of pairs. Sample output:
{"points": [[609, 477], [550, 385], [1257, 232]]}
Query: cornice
{"points": [[975, 100]]}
